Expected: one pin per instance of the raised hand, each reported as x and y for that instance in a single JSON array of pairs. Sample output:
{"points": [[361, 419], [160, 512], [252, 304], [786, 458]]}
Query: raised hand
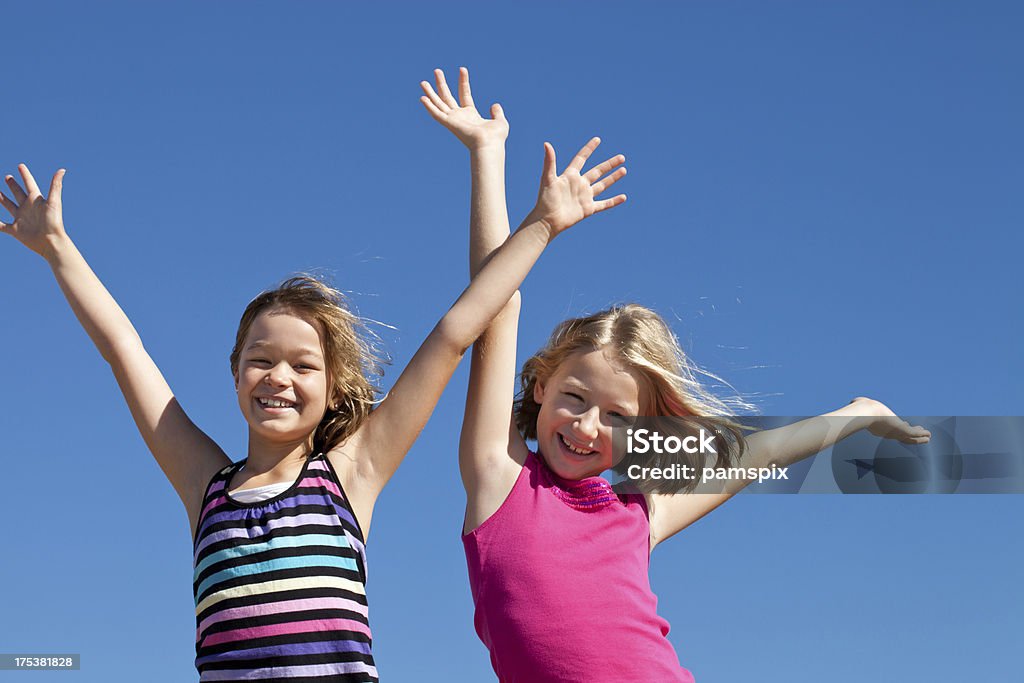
{"points": [[566, 199], [38, 221], [462, 118]]}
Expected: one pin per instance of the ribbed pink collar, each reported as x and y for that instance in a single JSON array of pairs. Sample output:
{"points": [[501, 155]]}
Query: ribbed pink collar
{"points": [[588, 495]]}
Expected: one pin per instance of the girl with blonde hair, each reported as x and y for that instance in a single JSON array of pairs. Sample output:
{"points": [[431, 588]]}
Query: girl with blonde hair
{"points": [[558, 560]]}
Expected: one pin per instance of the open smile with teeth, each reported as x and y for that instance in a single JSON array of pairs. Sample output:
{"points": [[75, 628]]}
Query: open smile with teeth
{"points": [[575, 449], [267, 402]]}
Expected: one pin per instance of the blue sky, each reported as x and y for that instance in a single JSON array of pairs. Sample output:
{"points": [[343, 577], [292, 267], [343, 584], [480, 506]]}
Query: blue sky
{"points": [[824, 200]]}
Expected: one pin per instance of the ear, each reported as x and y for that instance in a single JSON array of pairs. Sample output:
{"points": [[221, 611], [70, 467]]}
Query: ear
{"points": [[538, 392], [235, 377]]}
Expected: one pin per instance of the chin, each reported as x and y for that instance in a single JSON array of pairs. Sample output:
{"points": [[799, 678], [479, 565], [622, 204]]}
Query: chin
{"points": [[569, 466], [276, 432]]}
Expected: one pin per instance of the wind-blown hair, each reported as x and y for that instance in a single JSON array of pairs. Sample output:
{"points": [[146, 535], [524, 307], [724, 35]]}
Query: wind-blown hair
{"points": [[640, 339], [351, 356]]}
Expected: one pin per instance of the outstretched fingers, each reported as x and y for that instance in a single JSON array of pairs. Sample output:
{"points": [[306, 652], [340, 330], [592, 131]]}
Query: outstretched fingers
{"points": [[432, 97], [605, 183], [593, 174], [443, 91], [604, 204], [581, 157], [30, 182], [8, 204], [16, 191], [465, 93], [894, 427], [916, 434], [34, 216], [56, 187], [432, 109]]}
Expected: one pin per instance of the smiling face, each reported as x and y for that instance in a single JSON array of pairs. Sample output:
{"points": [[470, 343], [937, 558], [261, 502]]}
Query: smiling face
{"points": [[282, 379], [579, 406]]}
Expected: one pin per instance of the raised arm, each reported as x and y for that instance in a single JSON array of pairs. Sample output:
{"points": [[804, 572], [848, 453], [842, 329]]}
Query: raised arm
{"points": [[783, 446], [491, 451], [391, 429], [186, 455]]}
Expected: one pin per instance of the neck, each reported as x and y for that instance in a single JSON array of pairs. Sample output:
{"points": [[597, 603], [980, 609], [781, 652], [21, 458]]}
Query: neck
{"points": [[266, 456]]}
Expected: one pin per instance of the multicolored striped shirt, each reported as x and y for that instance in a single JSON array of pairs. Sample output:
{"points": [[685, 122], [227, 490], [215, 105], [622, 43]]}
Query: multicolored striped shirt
{"points": [[280, 584]]}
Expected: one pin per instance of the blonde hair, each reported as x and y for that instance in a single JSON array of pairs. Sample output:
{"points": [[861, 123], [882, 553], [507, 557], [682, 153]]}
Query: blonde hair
{"points": [[350, 354], [640, 339]]}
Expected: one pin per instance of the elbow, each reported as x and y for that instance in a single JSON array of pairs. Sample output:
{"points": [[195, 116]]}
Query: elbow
{"points": [[453, 336], [117, 351], [512, 307], [461, 327], [510, 311]]}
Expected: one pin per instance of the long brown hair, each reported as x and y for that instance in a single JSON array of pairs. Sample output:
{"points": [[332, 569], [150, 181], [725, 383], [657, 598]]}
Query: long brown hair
{"points": [[350, 353]]}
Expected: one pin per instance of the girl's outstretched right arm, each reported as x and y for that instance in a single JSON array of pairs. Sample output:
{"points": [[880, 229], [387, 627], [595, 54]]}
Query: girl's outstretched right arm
{"points": [[186, 455]]}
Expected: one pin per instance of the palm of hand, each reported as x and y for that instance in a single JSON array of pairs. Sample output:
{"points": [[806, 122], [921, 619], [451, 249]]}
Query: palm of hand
{"points": [[461, 117], [899, 430], [566, 199], [469, 127], [890, 426], [35, 217]]}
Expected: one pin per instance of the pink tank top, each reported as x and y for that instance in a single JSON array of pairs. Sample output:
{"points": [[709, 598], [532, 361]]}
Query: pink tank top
{"points": [[560, 584]]}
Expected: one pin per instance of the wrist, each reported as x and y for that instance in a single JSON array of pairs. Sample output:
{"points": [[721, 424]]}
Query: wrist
{"points": [[870, 408], [865, 411], [550, 223], [487, 148], [548, 229], [55, 246]]}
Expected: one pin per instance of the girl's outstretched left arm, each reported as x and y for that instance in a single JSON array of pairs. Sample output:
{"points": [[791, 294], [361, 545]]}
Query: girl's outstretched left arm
{"points": [[381, 443], [784, 446]]}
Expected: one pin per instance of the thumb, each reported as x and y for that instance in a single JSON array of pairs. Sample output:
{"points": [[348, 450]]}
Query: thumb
{"points": [[497, 113], [56, 185], [549, 174]]}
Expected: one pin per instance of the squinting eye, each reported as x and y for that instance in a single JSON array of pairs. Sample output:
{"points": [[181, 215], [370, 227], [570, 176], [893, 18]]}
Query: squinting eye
{"points": [[574, 396]]}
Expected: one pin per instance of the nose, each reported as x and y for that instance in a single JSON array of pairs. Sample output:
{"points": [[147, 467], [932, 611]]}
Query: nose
{"points": [[587, 423], [278, 375]]}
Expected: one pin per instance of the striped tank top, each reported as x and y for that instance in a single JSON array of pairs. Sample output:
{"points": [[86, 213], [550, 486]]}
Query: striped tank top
{"points": [[280, 584]]}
